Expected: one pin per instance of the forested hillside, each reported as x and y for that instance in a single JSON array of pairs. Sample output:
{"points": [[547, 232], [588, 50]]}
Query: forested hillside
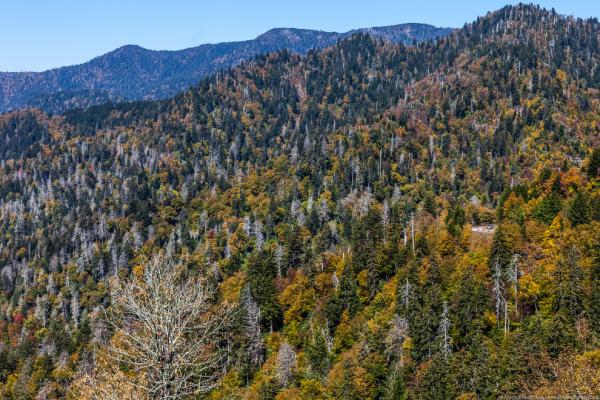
{"points": [[134, 73], [369, 221]]}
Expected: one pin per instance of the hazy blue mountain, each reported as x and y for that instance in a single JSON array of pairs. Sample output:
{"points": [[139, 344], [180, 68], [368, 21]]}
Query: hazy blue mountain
{"points": [[134, 73]]}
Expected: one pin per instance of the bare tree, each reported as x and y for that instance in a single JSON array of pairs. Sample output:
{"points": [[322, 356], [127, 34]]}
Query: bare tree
{"points": [[394, 341], [444, 332], [498, 288], [252, 327], [167, 331], [514, 273], [286, 362]]}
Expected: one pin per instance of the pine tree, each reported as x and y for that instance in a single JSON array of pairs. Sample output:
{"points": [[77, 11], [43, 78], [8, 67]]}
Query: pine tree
{"points": [[318, 349], [396, 387], [367, 243], [261, 274], [593, 169], [455, 219], [501, 251], [547, 209], [593, 303], [579, 210], [344, 298], [429, 204], [568, 292], [469, 301], [423, 321], [438, 382], [296, 251]]}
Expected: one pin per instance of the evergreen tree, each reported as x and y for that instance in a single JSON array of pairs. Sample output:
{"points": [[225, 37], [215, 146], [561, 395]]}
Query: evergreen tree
{"points": [[438, 382], [396, 387], [423, 321], [345, 298], [547, 209], [593, 168], [593, 304], [261, 274], [579, 210], [429, 204], [296, 250], [455, 219], [469, 301], [568, 293], [501, 250], [317, 351], [367, 243]]}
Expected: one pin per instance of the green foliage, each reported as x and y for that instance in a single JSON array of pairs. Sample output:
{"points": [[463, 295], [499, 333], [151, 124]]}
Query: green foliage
{"points": [[438, 382], [593, 168], [579, 211], [569, 296], [547, 208], [469, 301], [261, 273], [316, 184], [455, 219], [593, 303], [396, 387], [501, 251]]}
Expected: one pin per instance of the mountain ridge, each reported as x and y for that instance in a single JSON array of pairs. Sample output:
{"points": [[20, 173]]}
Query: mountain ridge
{"points": [[393, 221], [132, 72]]}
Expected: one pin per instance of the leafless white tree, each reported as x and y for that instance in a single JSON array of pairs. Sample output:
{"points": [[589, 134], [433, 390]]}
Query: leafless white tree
{"points": [[444, 332], [514, 273], [252, 327], [498, 288], [279, 259], [167, 330], [394, 340], [286, 362]]}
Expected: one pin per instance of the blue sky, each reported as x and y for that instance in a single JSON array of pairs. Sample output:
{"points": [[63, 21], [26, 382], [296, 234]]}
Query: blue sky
{"points": [[41, 34]]}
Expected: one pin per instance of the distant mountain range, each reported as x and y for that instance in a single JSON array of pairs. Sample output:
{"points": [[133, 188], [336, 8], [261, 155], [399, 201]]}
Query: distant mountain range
{"points": [[134, 73]]}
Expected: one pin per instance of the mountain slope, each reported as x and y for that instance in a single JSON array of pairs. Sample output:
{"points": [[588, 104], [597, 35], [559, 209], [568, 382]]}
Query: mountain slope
{"points": [[393, 221], [134, 73]]}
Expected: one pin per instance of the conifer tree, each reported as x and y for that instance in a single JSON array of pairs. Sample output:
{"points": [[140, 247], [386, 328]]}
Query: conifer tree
{"points": [[568, 292], [593, 168], [579, 210], [593, 303], [469, 301], [501, 250], [261, 274]]}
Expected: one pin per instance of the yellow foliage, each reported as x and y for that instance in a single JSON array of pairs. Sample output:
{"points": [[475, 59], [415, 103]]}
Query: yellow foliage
{"points": [[475, 259], [446, 245], [138, 270], [231, 387], [323, 283], [574, 377], [231, 287], [289, 394], [343, 333], [386, 297], [298, 299], [489, 318], [551, 236], [312, 389], [529, 289]]}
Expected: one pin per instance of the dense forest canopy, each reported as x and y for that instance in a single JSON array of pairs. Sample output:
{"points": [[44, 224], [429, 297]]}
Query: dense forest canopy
{"points": [[134, 73], [388, 221]]}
